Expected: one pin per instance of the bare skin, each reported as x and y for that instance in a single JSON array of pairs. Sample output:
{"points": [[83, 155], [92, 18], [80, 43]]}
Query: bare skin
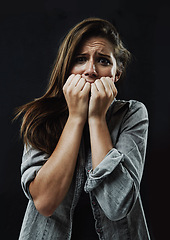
{"points": [[94, 72], [96, 63]]}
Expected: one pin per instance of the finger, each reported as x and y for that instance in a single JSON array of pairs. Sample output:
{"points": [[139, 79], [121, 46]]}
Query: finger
{"points": [[94, 89], [86, 89], [109, 84], [112, 85], [81, 83], [106, 83], [75, 80], [99, 85], [69, 80]]}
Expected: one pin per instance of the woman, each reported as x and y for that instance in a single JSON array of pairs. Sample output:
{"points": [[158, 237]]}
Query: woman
{"points": [[84, 150]]}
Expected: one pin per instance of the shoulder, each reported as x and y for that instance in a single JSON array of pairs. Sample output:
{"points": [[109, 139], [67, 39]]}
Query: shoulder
{"points": [[137, 108], [127, 111], [130, 106]]}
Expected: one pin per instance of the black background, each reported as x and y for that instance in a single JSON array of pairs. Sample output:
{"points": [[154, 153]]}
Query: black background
{"points": [[30, 33]]}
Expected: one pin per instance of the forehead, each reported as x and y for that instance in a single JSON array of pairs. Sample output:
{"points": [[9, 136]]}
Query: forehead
{"points": [[96, 44]]}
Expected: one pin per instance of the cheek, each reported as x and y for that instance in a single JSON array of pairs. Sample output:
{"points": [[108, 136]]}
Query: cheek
{"points": [[76, 70], [108, 72], [113, 69], [113, 72]]}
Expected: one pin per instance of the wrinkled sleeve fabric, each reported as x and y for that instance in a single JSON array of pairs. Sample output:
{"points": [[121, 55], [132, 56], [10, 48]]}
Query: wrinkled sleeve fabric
{"points": [[32, 161], [115, 182]]}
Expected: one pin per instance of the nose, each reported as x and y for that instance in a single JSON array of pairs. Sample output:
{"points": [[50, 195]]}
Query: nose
{"points": [[90, 70]]}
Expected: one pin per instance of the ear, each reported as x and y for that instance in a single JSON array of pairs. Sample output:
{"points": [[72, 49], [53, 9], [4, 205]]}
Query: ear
{"points": [[117, 76]]}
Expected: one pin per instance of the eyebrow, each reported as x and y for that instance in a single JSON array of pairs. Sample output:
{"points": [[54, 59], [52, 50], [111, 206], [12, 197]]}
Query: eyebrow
{"points": [[104, 55], [101, 54]]}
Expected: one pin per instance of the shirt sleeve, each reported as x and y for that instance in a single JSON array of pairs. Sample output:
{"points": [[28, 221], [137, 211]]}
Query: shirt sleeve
{"points": [[115, 182], [32, 161]]}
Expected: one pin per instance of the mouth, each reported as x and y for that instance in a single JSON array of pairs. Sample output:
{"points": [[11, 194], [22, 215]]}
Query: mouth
{"points": [[90, 81]]}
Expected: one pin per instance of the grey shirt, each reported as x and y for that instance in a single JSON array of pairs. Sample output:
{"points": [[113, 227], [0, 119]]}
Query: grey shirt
{"points": [[113, 186]]}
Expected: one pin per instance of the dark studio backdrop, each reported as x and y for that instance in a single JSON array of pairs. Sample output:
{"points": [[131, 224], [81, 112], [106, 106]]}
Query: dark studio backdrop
{"points": [[30, 33]]}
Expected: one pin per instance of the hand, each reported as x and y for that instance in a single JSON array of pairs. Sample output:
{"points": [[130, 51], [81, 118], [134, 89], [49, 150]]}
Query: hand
{"points": [[76, 91], [103, 92]]}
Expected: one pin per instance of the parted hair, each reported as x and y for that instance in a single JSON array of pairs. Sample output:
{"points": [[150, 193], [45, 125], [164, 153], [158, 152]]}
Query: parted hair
{"points": [[44, 118]]}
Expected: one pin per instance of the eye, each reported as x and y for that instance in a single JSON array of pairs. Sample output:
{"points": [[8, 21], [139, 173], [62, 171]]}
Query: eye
{"points": [[80, 60], [104, 61]]}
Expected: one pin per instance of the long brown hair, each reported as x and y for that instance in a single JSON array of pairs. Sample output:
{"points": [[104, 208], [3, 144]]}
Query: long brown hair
{"points": [[45, 117]]}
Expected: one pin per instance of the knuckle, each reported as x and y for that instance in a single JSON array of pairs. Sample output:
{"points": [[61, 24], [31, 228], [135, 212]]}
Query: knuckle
{"points": [[110, 94], [108, 79], [103, 79], [103, 95], [64, 89], [98, 96], [115, 92], [69, 91], [94, 95], [82, 96], [82, 80], [74, 93], [97, 81]]}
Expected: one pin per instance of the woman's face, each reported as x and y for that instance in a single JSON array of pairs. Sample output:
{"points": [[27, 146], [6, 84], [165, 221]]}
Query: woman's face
{"points": [[95, 59]]}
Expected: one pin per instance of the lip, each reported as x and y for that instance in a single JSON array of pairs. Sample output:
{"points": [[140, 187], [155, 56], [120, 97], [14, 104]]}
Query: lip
{"points": [[89, 81]]}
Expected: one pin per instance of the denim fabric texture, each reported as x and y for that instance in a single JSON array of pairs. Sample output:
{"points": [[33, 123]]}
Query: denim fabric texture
{"points": [[113, 186]]}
